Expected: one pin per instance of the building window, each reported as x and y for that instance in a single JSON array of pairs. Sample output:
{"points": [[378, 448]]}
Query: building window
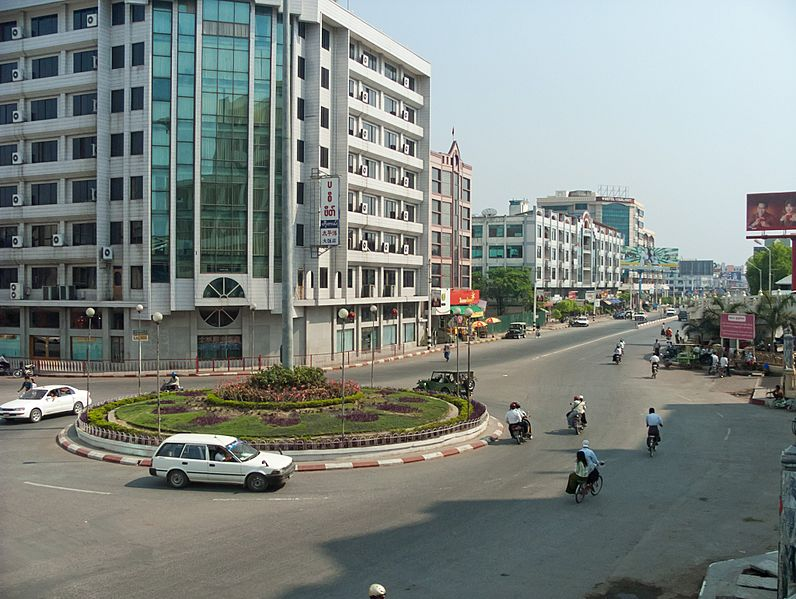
{"points": [[84, 277], [299, 235], [6, 71], [391, 139], [326, 38], [84, 104], [136, 232], [45, 25], [513, 251], [80, 17], [116, 233], [300, 150], [496, 251], [82, 62], [42, 235], [138, 54], [324, 78], [136, 277], [6, 153], [136, 188], [6, 234], [324, 117], [324, 162], [300, 192], [323, 278], [391, 105], [45, 67], [7, 113], [117, 189], [137, 13], [390, 71], [409, 278], [84, 234], [7, 194], [478, 231], [513, 230], [84, 191], [300, 67], [478, 252], [496, 231], [41, 110], [43, 194], [8, 276], [137, 97], [45, 276], [117, 100], [117, 57], [117, 13], [44, 151], [136, 143], [84, 147], [117, 144], [300, 109], [5, 30]]}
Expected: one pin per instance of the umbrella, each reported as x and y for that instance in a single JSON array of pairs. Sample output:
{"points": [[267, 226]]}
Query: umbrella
{"points": [[492, 320], [478, 324]]}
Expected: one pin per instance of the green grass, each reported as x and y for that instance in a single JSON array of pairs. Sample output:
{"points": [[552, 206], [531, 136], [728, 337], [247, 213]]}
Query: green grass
{"points": [[313, 422]]}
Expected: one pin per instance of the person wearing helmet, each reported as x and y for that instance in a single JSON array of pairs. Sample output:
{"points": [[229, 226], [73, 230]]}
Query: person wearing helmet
{"points": [[592, 462], [173, 383], [377, 591], [577, 406], [516, 415]]}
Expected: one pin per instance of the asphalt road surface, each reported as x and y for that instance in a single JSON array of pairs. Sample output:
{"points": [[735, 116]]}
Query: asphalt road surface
{"points": [[494, 522]]}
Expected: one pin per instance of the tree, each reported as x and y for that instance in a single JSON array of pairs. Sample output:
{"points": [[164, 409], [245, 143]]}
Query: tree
{"points": [[507, 285], [708, 327], [773, 312], [757, 264]]}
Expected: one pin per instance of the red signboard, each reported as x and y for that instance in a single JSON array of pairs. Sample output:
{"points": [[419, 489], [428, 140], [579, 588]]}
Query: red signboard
{"points": [[738, 326], [771, 214], [464, 297]]}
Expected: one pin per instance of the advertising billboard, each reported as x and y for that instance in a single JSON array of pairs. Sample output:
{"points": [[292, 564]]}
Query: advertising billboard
{"points": [[464, 297], [771, 214], [440, 301], [641, 258], [737, 326], [329, 202]]}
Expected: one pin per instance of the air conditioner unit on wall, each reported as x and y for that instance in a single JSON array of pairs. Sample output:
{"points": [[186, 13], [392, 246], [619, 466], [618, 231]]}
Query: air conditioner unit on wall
{"points": [[17, 74], [58, 240], [17, 201], [16, 241], [363, 133], [385, 247], [363, 245], [406, 249], [405, 215], [93, 194], [405, 181], [16, 291], [18, 116], [364, 96], [16, 158], [17, 33], [363, 208], [91, 20], [365, 60], [405, 115], [406, 82], [106, 253], [363, 170]]}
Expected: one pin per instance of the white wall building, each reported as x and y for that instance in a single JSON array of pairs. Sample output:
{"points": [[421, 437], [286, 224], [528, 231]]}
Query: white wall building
{"points": [[141, 162]]}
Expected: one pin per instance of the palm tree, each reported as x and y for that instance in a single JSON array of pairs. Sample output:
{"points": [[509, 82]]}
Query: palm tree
{"points": [[773, 312], [708, 327]]}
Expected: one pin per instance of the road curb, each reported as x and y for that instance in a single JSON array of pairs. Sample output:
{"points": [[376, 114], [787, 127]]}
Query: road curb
{"points": [[63, 440]]}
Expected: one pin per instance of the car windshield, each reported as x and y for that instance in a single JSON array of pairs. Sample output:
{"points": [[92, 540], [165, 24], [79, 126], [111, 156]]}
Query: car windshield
{"points": [[33, 394], [242, 450]]}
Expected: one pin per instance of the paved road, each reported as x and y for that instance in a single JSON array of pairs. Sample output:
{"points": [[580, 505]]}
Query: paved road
{"points": [[494, 522]]}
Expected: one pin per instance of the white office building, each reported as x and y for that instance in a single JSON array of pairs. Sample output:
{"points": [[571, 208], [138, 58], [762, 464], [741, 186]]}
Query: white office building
{"points": [[141, 163]]}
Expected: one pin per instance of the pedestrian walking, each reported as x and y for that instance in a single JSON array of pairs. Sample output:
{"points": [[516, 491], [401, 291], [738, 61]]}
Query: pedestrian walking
{"points": [[663, 331], [677, 337], [446, 352]]}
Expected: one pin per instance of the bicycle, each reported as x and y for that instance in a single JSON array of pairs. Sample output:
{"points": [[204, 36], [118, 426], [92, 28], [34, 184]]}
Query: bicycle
{"points": [[585, 488], [652, 444]]}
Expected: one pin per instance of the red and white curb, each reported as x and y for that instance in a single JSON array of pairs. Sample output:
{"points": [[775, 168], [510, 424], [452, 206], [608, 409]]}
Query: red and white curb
{"points": [[95, 454]]}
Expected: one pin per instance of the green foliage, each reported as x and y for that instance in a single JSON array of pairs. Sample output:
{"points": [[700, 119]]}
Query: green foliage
{"points": [[667, 300], [278, 377], [215, 400], [625, 297], [507, 286], [772, 312], [708, 327], [757, 264]]}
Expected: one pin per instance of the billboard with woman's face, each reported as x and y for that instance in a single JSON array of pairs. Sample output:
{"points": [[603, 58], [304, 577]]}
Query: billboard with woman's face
{"points": [[771, 214]]}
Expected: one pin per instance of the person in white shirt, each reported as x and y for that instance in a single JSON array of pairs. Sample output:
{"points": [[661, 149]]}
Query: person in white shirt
{"points": [[516, 415], [655, 362], [724, 365], [577, 406], [654, 424], [618, 351], [714, 364]]}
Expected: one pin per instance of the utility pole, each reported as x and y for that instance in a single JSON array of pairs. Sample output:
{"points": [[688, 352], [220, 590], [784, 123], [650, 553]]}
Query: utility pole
{"points": [[287, 194]]}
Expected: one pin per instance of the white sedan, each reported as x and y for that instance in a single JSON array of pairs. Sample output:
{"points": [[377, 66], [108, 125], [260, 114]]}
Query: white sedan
{"points": [[42, 401]]}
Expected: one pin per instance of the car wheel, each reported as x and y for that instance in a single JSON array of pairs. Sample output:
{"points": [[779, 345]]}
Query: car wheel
{"points": [[77, 408], [35, 415], [445, 390], [177, 479], [256, 482]]}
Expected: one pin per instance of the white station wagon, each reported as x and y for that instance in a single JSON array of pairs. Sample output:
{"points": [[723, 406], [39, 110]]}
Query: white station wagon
{"points": [[42, 401], [188, 457]]}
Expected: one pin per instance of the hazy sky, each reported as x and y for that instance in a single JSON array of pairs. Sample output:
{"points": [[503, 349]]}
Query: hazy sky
{"points": [[691, 104]]}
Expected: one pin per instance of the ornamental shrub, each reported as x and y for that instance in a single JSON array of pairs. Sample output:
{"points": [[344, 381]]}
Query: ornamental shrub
{"points": [[411, 399], [170, 409], [359, 416], [278, 377], [291, 419], [209, 419], [397, 407]]}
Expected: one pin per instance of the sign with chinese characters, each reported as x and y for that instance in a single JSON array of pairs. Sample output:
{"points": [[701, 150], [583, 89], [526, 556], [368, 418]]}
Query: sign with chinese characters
{"points": [[737, 326], [329, 210]]}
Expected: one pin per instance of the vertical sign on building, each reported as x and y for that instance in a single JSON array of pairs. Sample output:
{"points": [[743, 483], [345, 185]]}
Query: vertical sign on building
{"points": [[329, 210]]}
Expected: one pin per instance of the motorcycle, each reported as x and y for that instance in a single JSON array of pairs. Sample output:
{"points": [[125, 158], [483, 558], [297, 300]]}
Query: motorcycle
{"points": [[577, 424], [516, 431], [617, 358], [5, 366], [168, 386], [26, 370]]}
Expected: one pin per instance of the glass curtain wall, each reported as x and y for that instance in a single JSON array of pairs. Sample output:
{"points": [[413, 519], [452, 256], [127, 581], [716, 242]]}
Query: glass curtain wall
{"points": [[279, 131], [186, 83], [225, 101], [262, 139], [161, 132]]}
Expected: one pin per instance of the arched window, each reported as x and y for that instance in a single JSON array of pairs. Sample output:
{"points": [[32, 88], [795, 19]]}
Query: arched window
{"points": [[219, 317], [223, 287]]}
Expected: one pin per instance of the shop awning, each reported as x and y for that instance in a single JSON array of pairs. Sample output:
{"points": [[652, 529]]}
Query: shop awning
{"points": [[477, 311]]}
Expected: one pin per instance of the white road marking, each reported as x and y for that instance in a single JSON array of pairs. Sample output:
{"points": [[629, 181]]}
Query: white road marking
{"points": [[720, 414], [571, 347], [727, 436], [269, 498], [66, 488]]}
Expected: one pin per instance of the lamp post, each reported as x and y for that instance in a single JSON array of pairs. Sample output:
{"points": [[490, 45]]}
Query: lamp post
{"points": [[157, 317], [373, 318], [90, 314], [253, 308], [768, 249], [469, 314], [760, 286], [139, 308], [342, 314]]}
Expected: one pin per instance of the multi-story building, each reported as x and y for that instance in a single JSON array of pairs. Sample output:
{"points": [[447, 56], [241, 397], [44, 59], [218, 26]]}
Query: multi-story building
{"points": [[564, 253], [142, 162], [451, 183]]}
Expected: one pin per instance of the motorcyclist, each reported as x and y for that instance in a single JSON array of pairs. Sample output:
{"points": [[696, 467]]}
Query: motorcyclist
{"points": [[655, 362], [577, 406], [654, 424], [27, 384], [516, 415], [174, 382], [622, 344], [618, 351]]}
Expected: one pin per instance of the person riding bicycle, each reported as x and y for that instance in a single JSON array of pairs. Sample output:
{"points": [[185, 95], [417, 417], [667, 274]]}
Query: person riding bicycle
{"points": [[516, 415], [592, 461], [654, 424], [577, 406], [655, 362]]}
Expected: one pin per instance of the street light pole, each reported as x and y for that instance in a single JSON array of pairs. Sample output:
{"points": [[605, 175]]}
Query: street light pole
{"points": [[253, 308], [469, 313], [760, 280], [373, 317], [157, 317], [342, 314], [90, 314], [768, 249], [139, 308]]}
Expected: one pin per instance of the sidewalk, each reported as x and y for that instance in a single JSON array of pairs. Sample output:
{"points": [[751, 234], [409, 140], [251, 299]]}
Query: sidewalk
{"points": [[752, 577]]}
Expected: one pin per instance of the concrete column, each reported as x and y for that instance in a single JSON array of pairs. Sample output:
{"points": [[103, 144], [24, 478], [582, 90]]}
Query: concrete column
{"points": [[787, 524]]}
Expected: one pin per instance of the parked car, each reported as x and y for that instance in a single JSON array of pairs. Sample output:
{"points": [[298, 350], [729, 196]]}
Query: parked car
{"points": [[42, 401], [580, 321], [639, 317], [190, 457], [516, 330], [671, 311], [620, 314], [444, 381], [682, 316]]}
